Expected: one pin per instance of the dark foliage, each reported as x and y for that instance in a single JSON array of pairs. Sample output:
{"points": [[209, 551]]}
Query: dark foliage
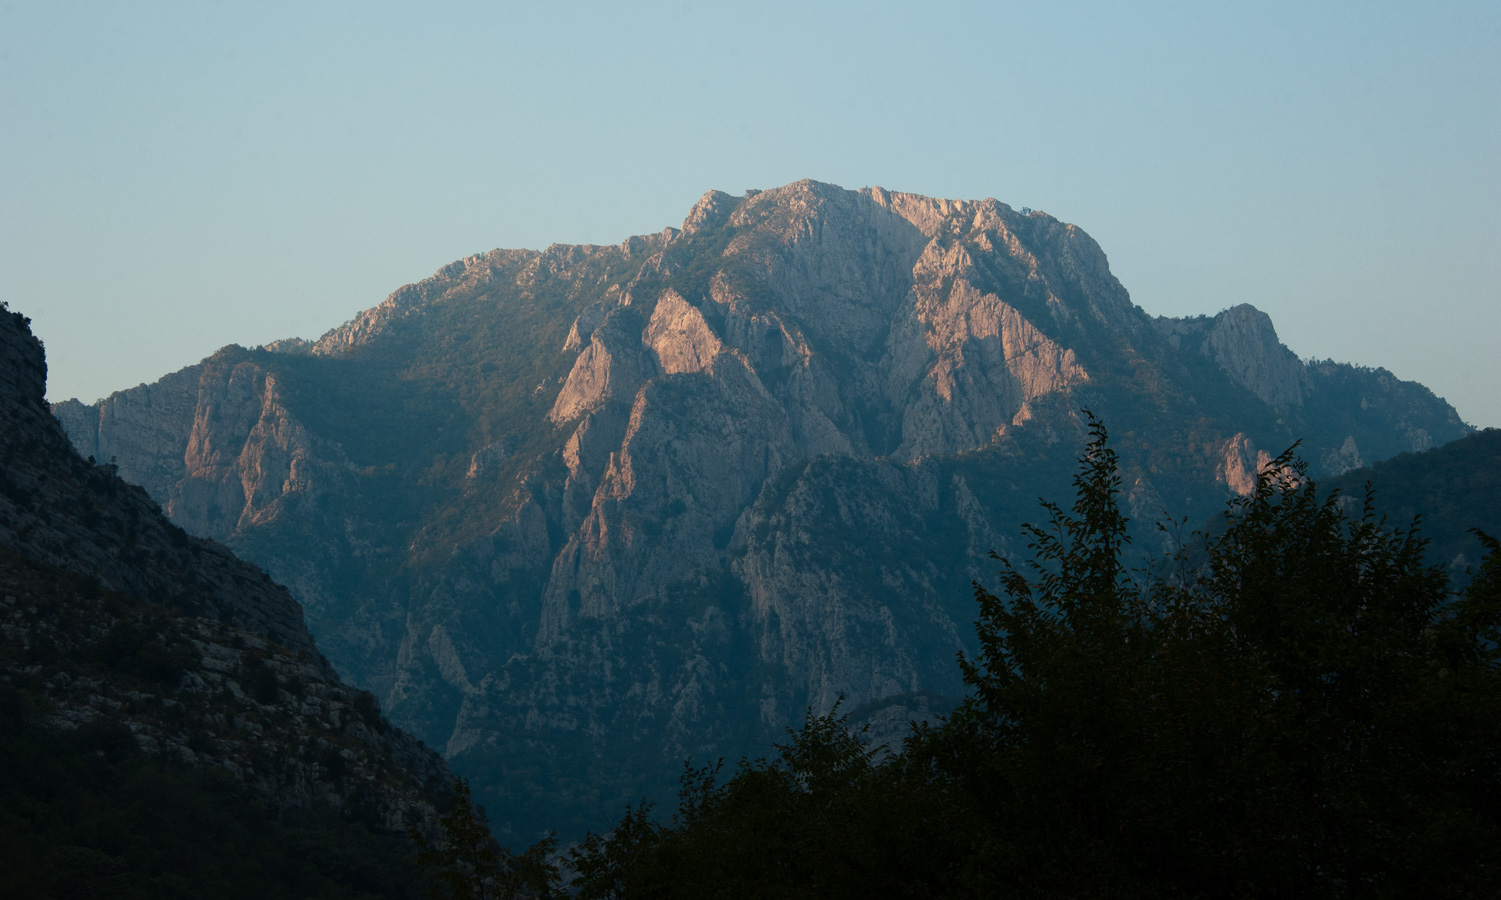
{"points": [[1309, 711], [1456, 488], [83, 814], [465, 862], [820, 820]]}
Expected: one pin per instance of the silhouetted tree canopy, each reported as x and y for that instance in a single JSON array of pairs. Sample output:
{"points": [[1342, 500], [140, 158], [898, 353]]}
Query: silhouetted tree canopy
{"points": [[1298, 706], [465, 862]]}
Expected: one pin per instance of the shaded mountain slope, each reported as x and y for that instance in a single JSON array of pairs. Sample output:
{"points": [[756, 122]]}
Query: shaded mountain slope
{"points": [[579, 513], [133, 655], [1454, 488]]}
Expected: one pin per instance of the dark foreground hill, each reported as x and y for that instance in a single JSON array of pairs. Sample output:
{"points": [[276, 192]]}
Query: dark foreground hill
{"points": [[167, 726], [1454, 488], [578, 514]]}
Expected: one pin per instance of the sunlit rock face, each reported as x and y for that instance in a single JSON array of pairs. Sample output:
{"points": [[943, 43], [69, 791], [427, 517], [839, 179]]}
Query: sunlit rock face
{"points": [[575, 511]]}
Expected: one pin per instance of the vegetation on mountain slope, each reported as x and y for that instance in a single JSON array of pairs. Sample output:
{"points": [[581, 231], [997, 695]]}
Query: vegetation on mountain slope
{"points": [[1311, 712], [1454, 488]]}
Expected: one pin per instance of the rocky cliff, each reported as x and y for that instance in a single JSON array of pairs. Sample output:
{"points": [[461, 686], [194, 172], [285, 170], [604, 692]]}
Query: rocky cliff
{"points": [[114, 618], [576, 514]]}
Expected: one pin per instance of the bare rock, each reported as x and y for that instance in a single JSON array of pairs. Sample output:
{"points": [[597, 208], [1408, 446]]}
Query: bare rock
{"points": [[679, 336], [1242, 464]]}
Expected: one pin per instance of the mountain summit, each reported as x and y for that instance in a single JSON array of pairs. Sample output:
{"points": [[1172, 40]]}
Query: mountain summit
{"points": [[580, 513]]}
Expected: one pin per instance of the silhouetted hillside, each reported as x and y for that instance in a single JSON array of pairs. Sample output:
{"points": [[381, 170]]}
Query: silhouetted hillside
{"points": [[1454, 488], [167, 726]]}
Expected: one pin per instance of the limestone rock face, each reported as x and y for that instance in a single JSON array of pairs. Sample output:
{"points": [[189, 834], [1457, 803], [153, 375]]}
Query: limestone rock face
{"points": [[1344, 457], [988, 363], [144, 430], [680, 337], [611, 367], [811, 616], [1243, 462], [240, 453], [247, 452], [1243, 343], [573, 509]]}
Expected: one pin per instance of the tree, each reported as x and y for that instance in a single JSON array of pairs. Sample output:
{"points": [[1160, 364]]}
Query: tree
{"points": [[467, 863], [1308, 711], [820, 819], [1298, 706]]}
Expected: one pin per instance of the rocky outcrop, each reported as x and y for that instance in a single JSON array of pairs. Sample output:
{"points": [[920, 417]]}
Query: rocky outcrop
{"points": [[1243, 343], [213, 443], [988, 362], [246, 455], [612, 367], [144, 430], [696, 450], [679, 336], [570, 508], [1242, 464], [835, 600]]}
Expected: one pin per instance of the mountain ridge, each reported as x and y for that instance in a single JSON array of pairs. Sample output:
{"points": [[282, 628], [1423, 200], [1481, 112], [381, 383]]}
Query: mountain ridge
{"points": [[653, 499]]}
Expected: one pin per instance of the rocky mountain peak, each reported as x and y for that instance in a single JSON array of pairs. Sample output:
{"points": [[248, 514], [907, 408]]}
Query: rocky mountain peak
{"points": [[710, 212], [1242, 341], [644, 494]]}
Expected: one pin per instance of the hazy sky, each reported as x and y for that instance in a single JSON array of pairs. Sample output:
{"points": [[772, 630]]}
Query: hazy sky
{"points": [[176, 177]]}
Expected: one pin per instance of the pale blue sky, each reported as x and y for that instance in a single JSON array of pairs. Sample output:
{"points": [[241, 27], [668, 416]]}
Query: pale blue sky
{"points": [[175, 177]]}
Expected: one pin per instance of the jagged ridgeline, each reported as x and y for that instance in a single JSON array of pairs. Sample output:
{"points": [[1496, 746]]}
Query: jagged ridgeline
{"points": [[167, 726], [576, 515]]}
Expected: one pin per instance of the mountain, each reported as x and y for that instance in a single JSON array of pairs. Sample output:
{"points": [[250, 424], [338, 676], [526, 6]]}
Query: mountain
{"points": [[578, 514], [167, 724], [1454, 488]]}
